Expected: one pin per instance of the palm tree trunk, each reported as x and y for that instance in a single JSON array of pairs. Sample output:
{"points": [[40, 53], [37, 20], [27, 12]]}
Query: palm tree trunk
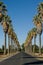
{"points": [[11, 45], [4, 43], [31, 46], [8, 44], [25, 49], [39, 43], [34, 44]]}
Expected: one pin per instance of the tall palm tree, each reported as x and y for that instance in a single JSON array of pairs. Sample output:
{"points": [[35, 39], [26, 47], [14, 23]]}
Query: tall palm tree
{"points": [[26, 44], [9, 39], [31, 37], [15, 38], [3, 10], [5, 28], [34, 30], [17, 43], [40, 9], [28, 41], [9, 32], [12, 41], [38, 25], [40, 13]]}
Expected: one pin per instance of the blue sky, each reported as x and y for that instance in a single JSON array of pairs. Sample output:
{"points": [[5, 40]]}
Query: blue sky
{"points": [[21, 13]]}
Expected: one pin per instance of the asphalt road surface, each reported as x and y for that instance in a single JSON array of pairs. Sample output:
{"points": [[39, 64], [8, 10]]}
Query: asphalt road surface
{"points": [[21, 59]]}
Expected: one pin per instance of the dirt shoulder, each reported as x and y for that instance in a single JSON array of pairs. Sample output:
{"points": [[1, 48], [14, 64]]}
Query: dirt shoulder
{"points": [[37, 55], [3, 57]]}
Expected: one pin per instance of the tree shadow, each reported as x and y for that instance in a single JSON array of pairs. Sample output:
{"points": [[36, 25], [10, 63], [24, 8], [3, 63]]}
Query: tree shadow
{"points": [[31, 60], [33, 63]]}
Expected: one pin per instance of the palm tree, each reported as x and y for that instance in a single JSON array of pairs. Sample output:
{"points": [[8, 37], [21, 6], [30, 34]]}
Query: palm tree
{"points": [[12, 39], [2, 18], [34, 30], [9, 37], [28, 42], [17, 43], [38, 25], [31, 37], [40, 12], [9, 32], [3, 10], [15, 38], [5, 28]]}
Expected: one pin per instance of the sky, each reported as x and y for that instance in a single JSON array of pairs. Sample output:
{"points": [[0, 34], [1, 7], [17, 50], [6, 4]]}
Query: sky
{"points": [[21, 13]]}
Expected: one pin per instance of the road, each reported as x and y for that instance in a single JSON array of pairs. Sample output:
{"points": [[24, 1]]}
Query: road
{"points": [[21, 59]]}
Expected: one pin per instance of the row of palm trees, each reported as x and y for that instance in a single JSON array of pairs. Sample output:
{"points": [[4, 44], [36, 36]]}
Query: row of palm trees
{"points": [[6, 23], [38, 29]]}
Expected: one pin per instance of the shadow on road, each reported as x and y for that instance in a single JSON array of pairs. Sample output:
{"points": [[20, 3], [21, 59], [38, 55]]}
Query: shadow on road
{"points": [[31, 63], [32, 60]]}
